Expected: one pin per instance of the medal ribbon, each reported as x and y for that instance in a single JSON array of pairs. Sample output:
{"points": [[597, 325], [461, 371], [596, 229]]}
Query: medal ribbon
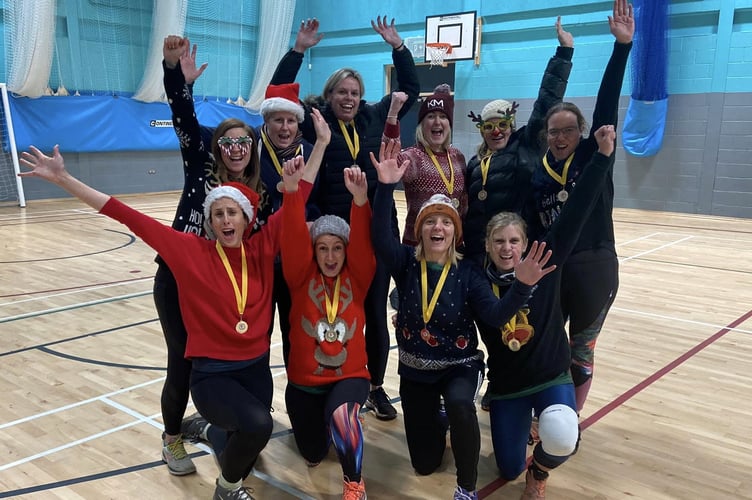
{"points": [[354, 149], [485, 163], [429, 307], [561, 179], [331, 309], [240, 297], [448, 183], [273, 154]]}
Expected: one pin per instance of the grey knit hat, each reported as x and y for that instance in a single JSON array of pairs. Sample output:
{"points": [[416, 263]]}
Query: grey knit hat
{"points": [[330, 224]]}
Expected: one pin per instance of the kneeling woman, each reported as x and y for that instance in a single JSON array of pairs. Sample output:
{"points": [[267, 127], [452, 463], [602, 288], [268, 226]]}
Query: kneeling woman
{"points": [[327, 372], [231, 383], [528, 358], [440, 298]]}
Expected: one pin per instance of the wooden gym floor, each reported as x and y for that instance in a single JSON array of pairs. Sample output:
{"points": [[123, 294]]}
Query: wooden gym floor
{"points": [[82, 364]]}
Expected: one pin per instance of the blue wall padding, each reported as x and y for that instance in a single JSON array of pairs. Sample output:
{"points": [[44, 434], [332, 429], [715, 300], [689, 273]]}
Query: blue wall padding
{"points": [[88, 124], [643, 127]]}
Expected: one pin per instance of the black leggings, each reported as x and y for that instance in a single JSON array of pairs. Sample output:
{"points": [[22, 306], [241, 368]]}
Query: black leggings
{"points": [[588, 288], [425, 431], [311, 414], [377, 332], [176, 386], [240, 402]]}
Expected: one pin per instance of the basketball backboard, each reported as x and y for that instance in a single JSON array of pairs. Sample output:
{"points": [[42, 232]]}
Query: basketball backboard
{"points": [[458, 30]]}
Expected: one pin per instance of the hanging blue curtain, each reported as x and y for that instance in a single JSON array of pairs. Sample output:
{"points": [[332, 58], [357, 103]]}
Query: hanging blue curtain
{"points": [[645, 121]]}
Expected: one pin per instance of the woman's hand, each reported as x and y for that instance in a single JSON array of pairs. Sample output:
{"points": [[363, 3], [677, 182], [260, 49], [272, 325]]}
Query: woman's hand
{"points": [[323, 132], [389, 171], [605, 136], [387, 31], [49, 168], [308, 35], [172, 48], [292, 172], [357, 183], [532, 268], [621, 23], [188, 63], [565, 38]]}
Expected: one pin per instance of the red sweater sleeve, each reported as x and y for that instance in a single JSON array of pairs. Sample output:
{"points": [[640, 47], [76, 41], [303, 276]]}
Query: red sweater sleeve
{"points": [[361, 260], [296, 247]]}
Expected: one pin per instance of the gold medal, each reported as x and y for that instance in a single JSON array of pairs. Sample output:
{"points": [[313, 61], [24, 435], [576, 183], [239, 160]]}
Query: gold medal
{"points": [[562, 196], [514, 345], [241, 292], [482, 195], [241, 327]]}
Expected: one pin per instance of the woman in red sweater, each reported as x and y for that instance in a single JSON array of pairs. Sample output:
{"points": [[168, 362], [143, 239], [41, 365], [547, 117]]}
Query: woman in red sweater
{"points": [[328, 380], [231, 383]]}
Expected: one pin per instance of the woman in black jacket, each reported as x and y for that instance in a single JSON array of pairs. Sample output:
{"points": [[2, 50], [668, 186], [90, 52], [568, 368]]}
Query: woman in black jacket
{"points": [[357, 129], [498, 177]]}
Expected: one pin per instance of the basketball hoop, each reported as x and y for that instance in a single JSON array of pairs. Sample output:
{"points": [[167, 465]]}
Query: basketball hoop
{"points": [[437, 51]]}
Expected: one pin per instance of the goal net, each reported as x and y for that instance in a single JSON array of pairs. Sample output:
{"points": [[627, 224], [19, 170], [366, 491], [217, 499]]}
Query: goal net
{"points": [[11, 189]]}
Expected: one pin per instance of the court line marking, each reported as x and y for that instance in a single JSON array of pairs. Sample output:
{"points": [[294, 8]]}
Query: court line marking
{"points": [[661, 247], [81, 289], [79, 305], [139, 418], [590, 420], [636, 389]]}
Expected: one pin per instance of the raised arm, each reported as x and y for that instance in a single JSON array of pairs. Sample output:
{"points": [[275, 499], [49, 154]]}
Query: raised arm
{"points": [[554, 83], [323, 136], [357, 184], [308, 35], [388, 32], [386, 244], [52, 169], [392, 125], [288, 67], [621, 24], [565, 231], [404, 64], [389, 171], [361, 259], [179, 74]]}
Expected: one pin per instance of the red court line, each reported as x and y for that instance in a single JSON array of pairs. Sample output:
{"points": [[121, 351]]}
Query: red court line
{"points": [[498, 483]]}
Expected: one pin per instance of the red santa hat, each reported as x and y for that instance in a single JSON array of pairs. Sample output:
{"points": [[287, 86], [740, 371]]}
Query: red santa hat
{"points": [[283, 97], [246, 197]]}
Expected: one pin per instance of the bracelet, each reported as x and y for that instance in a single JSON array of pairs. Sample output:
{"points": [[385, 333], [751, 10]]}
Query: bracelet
{"points": [[391, 116], [400, 45]]}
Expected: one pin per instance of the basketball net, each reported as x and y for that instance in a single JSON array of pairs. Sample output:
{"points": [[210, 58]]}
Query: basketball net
{"points": [[437, 51]]}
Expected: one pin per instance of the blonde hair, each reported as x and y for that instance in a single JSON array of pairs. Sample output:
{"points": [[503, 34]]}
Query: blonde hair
{"points": [[502, 220], [337, 77]]}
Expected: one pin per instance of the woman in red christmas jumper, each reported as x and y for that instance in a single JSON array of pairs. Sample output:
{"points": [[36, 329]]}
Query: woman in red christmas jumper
{"points": [[328, 380], [228, 344]]}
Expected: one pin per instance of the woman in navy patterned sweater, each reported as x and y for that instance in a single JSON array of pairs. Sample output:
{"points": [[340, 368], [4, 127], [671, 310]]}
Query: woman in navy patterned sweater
{"points": [[441, 296]]}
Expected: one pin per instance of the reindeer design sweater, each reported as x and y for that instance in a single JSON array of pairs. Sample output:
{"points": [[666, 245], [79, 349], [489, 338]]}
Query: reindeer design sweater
{"points": [[323, 352]]}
